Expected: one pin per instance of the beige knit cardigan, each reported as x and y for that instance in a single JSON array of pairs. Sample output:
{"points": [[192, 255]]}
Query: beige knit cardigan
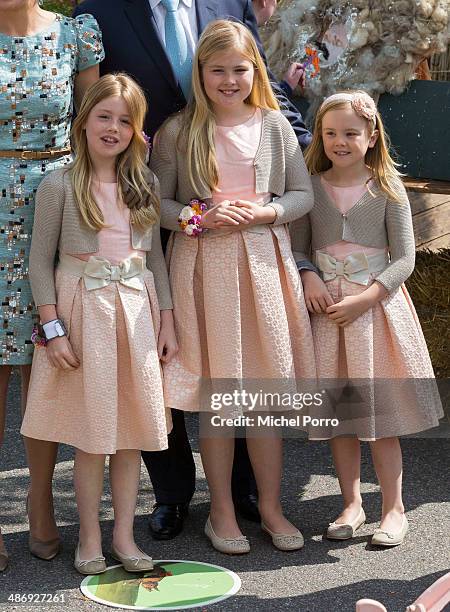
{"points": [[58, 226], [374, 221], [279, 169]]}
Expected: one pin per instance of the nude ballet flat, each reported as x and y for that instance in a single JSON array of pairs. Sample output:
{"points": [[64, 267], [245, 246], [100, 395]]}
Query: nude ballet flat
{"points": [[88, 567], [143, 563], [45, 550], [4, 557], [390, 538], [42, 549], [345, 531], [4, 560], [285, 541], [229, 546]]}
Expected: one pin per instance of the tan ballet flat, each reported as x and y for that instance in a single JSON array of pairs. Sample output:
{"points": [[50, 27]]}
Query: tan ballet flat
{"points": [[143, 563], [229, 546], [44, 550], [346, 531], [4, 557], [88, 567], [390, 538], [4, 561], [285, 541]]}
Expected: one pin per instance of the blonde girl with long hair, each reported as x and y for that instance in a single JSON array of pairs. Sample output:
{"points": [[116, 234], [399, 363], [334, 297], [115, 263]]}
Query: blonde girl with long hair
{"points": [[106, 314], [359, 237], [238, 306]]}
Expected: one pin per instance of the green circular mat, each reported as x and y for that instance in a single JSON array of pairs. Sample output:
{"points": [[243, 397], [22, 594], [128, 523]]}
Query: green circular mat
{"points": [[171, 585]]}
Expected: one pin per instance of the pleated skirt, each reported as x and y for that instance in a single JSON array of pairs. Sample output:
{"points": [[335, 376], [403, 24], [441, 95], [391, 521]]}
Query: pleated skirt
{"points": [[239, 314], [377, 370], [114, 400]]}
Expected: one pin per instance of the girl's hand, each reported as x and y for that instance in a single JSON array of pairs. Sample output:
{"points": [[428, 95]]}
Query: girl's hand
{"points": [[317, 297], [225, 214], [353, 306], [61, 355], [167, 340], [260, 214], [348, 310]]}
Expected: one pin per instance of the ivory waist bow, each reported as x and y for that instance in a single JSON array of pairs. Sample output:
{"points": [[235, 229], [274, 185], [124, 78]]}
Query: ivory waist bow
{"points": [[356, 267], [98, 272]]}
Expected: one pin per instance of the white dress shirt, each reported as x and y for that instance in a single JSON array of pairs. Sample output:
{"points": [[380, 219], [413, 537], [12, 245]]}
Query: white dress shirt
{"points": [[188, 18]]}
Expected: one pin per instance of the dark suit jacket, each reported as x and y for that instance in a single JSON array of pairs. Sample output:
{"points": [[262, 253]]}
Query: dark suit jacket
{"points": [[132, 44]]}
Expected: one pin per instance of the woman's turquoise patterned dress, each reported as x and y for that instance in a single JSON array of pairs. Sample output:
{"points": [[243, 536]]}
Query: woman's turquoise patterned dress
{"points": [[36, 85]]}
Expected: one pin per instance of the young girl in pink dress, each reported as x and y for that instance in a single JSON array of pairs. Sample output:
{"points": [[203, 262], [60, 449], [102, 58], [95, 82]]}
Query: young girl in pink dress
{"points": [[366, 332], [238, 304], [96, 385]]}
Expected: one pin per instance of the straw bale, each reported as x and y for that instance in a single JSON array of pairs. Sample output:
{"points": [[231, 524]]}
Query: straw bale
{"points": [[429, 287]]}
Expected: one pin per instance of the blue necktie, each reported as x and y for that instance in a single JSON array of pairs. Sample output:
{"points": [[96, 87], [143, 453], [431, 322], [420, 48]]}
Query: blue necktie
{"points": [[176, 46]]}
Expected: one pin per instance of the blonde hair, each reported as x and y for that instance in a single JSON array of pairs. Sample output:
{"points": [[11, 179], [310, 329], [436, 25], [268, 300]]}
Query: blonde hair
{"points": [[378, 158], [135, 183], [198, 124]]}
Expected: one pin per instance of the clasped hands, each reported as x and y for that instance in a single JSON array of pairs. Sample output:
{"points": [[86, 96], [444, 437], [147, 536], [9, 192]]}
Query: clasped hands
{"points": [[319, 301], [237, 215]]}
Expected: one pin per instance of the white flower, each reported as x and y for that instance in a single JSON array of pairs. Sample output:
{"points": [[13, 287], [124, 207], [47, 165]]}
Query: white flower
{"points": [[186, 213], [189, 230]]}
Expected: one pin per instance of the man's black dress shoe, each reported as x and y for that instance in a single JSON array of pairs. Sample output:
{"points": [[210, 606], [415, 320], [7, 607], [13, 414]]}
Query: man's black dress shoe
{"points": [[166, 520], [247, 507]]}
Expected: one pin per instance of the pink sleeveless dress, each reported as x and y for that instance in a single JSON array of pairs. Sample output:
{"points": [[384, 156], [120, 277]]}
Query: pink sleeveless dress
{"points": [[382, 353], [114, 400], [238, 301]]}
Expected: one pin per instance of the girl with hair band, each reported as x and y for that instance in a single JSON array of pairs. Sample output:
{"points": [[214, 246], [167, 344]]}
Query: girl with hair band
{"points": [[238, 305], [96, 384], [360, 237]]}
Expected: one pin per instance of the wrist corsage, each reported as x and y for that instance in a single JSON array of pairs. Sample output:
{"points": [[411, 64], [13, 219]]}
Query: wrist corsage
{"points": [[190, 218], [38, 336]]}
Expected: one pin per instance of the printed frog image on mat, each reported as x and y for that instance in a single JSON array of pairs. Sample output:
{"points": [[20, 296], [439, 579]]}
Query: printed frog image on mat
{"points": [[171, 585], [150, 580]]}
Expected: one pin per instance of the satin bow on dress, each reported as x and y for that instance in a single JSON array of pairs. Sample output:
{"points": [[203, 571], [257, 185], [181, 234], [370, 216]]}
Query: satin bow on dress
{"points": [[356, 267], [99, 272]]}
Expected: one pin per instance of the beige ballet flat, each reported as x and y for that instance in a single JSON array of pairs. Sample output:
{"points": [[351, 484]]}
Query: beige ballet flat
{"points": [[45, 550], [229, 546], [390, 538], [4, 557], [88, 567], [345, 531], [42, 549], [4, 560], [285, 541], [143, 563]]}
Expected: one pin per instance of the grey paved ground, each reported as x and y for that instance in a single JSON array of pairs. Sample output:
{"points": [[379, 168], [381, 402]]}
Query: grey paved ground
{"points": [[323, 577]]}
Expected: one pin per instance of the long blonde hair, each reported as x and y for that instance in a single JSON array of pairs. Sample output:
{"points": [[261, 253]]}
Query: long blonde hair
{"points": [[134, 180], [378, 158], [198, 124]]}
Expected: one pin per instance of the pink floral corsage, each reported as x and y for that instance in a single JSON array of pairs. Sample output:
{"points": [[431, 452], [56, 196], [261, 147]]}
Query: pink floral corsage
{"points": [[37, 336], [190, 218]]}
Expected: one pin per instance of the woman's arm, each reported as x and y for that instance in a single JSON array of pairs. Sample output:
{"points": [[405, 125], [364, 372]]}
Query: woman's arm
{"points": [[83, 80]]}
